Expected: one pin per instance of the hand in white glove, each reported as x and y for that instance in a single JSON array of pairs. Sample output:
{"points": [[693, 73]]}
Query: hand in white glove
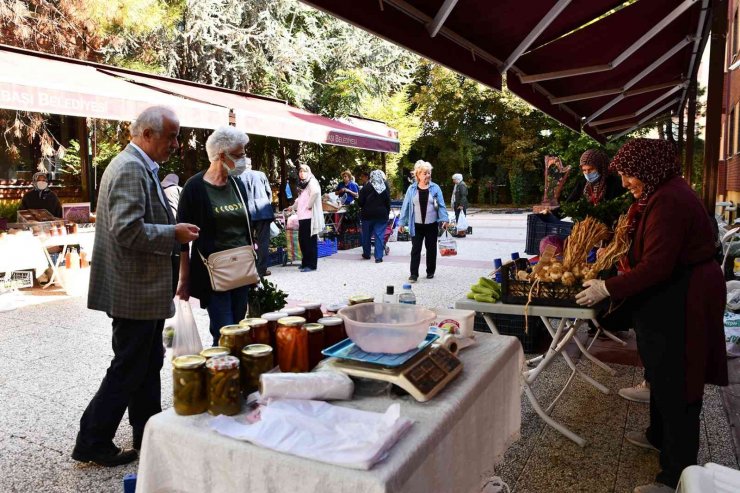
{"points": [[595, 291]]}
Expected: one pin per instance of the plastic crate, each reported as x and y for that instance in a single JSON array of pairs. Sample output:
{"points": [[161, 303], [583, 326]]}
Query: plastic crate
{"points": [[327, 247], [347, 241], [541, 225], [276, 258], [533, 340]]}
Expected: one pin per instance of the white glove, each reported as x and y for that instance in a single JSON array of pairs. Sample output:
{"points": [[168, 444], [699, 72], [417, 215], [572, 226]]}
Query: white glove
{"points": [[595, 291]]}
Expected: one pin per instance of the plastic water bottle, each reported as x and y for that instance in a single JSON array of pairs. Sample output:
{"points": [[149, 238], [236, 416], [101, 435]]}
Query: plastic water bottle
{"points": [[497, 265], [407, 296]]}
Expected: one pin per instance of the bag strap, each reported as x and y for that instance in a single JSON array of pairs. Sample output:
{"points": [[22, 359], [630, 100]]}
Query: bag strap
{"points": [[246, 211]]}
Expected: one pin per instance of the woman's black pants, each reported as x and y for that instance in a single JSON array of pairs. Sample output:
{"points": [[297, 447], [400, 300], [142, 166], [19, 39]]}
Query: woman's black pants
{"points": [[309, 244], [426, 234]]}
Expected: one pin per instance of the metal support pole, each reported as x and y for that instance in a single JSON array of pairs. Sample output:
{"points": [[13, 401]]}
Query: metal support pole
{"points": [[690, 131]]}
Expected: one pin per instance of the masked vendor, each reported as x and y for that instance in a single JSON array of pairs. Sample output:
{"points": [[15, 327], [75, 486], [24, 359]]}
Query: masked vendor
{"points": [[596, 183], [41, 197]]}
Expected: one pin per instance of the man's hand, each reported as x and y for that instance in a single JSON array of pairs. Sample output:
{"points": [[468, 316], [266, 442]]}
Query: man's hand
{"points": [[185, 232], [183, 290], [595, 291], [460, 208], [444, 225], [402, 229]]}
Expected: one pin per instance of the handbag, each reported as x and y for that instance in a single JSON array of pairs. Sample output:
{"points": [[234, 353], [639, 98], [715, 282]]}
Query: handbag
{"points": [[235, 267]]}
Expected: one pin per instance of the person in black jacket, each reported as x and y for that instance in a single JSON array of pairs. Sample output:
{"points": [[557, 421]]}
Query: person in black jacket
{"points": [[41, 197], [214, 201], [596, 184], [375, 205]]}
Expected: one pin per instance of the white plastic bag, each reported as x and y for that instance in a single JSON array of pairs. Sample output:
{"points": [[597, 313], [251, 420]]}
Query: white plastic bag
{"points": [[274, 230], [732, 334], [462, 222], [316, 385], [186, 339]]}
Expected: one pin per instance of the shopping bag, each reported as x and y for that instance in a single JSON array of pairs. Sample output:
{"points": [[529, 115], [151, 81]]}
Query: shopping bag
{"points": [[462, 222], [274, 230], [186, 339], [447, 245], [292, 222]]}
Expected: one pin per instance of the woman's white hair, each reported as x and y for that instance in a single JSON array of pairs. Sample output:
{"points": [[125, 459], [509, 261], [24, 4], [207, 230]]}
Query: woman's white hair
{"points": [[152, 118], [457, 176], [420, 166], [224, 139]]}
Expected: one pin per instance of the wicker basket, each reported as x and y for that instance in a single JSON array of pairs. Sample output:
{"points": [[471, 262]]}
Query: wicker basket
{"points": [[516, 292]]}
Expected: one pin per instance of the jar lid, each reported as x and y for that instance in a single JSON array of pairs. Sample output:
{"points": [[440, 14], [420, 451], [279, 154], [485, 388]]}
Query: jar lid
{"points": [[290, 321], [223, 363], [273, 316], [189, 362], [257, 350], [331, 321], [233, 330], [310, 306], [253, 321], [294, 310], [313, 327], [215, 352], [361, 298]]}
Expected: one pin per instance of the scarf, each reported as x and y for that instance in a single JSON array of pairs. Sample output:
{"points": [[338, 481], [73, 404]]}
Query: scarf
{"points": [[34, 179], [377, 181], [597, 158]]}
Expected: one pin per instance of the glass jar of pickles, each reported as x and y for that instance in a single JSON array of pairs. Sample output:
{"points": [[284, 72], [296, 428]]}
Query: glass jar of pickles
{"points": [[313, 312], [256, 360], [259, 333], [294, 311], [292, 345], [333, 330], [189, 385], [215, 352], [234, 337], [223, 385], [315, 334]]}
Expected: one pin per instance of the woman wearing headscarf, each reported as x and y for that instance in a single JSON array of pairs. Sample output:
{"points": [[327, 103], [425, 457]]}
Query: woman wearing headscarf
{"points": [[596, 183], [423, 211], [375, 205], [41, 197], [310, 217], [459, 200], [675, 292]]}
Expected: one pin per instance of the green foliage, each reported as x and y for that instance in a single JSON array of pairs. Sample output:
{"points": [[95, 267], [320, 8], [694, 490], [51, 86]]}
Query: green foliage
{"points": [[9, 208], [71, 161], [265, 297], [606, 211], [352, 214], [280, 241]]}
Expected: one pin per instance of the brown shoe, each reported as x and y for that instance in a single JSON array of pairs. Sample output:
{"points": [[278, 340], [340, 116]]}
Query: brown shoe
{"points": [[267, 273], [107, 458]]}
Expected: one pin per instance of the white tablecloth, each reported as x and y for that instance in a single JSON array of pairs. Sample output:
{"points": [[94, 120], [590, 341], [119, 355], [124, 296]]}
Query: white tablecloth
{"points": [[22, 251], [456, 438]]}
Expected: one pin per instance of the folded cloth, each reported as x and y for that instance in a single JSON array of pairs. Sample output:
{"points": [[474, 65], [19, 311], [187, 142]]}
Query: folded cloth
{"points": [[319, 385], [320, 431]]}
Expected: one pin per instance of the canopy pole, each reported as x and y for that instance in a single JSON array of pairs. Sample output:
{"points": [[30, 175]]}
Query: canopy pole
{"points": [[282, 199], [714, 103], [688, 164], [680, 132], [83, 137]]}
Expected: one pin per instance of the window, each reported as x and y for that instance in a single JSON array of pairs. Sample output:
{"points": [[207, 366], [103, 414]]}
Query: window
{"points": [[731, 133]]}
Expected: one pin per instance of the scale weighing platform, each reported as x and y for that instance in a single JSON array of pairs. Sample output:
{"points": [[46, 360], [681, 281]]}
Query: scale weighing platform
{"points": [[422, 372]]}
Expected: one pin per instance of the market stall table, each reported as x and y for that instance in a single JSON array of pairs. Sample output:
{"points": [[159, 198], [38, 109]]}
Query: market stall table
{"points": [[570, 320], [84, 237], [456, 437]]}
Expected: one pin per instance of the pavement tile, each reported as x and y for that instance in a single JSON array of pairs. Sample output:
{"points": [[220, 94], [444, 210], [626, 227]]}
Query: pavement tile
{"points": [[718, 431], [637, 466]]}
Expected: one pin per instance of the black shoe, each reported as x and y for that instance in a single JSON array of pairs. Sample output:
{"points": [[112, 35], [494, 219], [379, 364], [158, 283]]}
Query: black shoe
{"points": [[378, 260], [430, 276], [366, 257], [107, 458], [413, 278]]}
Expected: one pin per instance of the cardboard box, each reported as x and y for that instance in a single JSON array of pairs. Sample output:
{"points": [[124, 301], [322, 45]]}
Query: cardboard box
{"points": [[457, 322], [76, 212]]}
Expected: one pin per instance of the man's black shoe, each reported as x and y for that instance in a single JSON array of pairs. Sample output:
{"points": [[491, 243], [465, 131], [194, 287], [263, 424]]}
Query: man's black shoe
{"points": [[107, 458], [413, 278], [430, 276]]}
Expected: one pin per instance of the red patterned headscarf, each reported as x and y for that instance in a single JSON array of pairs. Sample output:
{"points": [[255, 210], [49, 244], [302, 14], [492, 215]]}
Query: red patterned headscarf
{"points": [[599, 160]]}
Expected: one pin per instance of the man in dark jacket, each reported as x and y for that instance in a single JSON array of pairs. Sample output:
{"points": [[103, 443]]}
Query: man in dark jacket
{"points": [[459, 195]]}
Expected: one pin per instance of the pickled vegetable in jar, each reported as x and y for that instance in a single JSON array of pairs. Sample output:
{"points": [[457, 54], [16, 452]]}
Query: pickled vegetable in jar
{"points": [[333, 330], [256, 360], [315, 334], [223, 386], [234, 337], [313, 312], [215, 352], [189, 385], [294, 311], [259, 332], [292, 345], [272, 318]]}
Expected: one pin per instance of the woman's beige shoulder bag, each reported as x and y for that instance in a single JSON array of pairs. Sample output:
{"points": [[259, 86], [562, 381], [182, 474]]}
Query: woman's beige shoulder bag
{"points": [[235, 267]]}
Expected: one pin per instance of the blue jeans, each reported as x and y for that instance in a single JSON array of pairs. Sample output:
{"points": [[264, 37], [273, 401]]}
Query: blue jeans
{"points": [[227, 308], [373, 227]]}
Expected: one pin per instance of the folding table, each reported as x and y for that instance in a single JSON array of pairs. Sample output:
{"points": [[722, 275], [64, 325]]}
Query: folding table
{"points": [[570, 320]]}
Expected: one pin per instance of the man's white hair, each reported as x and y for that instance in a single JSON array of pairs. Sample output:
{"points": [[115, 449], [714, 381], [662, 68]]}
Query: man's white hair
{"points": [[457, 176], [224, 139], [153, 119], [420, 166]]}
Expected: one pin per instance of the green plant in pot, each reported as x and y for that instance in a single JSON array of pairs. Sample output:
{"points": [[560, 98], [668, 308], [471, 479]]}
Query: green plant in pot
{"points": [[265, 297]]}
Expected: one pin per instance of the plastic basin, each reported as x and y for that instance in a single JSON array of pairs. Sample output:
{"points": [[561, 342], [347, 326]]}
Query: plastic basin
{"points": [[386, 327]]}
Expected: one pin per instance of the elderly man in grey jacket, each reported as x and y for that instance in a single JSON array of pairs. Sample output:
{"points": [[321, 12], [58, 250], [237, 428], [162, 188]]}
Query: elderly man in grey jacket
{"points": [[259, 202], [131, 280]]}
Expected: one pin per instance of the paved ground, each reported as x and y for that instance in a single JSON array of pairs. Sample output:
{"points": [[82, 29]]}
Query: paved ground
{"points": [[54, 352]]}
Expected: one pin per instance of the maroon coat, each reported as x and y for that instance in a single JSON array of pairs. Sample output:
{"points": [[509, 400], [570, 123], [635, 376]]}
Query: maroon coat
{"points": [[672, 259]]}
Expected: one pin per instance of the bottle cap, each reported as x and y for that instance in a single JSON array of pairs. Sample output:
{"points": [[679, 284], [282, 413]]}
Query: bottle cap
{"points": [[515, 256], [389, 290], [497, 262], [407, 286]]}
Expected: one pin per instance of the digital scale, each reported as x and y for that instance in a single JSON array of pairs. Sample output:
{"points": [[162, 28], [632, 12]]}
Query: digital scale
{"points": [[422, 372]]}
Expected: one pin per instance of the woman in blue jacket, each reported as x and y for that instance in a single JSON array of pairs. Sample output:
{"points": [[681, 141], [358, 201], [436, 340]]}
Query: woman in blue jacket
{"points": [[423, 209]]}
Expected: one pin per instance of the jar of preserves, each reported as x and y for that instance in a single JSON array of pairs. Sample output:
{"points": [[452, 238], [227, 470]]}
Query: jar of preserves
{"points": [[215, 352], [259, 333], [256, 360], [272, 318], [292, 345], [234, 337], [189, 385], [294, 311], [315, 334], [313, 312], [333, 330], [223, 386]]}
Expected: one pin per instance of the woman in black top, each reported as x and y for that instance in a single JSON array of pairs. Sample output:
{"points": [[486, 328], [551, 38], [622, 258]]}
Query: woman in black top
{"points": [[211, 200], [375, 204], [41, 197]]}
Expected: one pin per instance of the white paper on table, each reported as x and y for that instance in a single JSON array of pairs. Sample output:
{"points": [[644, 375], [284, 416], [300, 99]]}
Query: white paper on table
{"points": [[320, 431], [324, 385]]}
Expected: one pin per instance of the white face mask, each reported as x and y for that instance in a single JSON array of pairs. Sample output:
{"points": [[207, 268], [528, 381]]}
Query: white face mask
{"points": [[240, 165], [42, 185]]}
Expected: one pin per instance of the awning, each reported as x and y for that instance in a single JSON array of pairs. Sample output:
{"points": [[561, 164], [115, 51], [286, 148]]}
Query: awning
{"points": [[44, 85], [274, 118], [594, 65]]}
